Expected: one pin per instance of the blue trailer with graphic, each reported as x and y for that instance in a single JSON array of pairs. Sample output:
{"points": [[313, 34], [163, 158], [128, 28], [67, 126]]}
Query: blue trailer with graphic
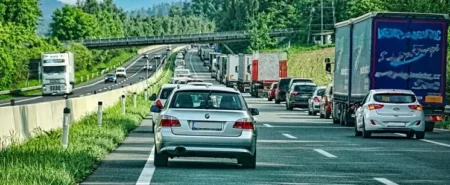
{"points": [[390, 51]]}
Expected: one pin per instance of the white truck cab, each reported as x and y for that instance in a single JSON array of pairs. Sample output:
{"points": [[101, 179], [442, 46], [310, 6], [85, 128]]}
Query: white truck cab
{"points": [[121, 72], [58, 73]]}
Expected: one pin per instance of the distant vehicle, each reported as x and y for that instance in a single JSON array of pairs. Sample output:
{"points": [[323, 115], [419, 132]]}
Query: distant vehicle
{"points": [[175, 80], [180, 56], [169, 48], [179, 67], [391, 56], [271, 93], [282, 89], [299, 94], [110, 77], [179, 72], [390, 111], [180, 62], [200, 83], [266, 68], [232, 68], [212, 56], [160, 99], [145, 55], [326, 104], [149, 67], [58, 73], [298, 80], [198, 119], [314, 101], [157, 56], [121, 72]]}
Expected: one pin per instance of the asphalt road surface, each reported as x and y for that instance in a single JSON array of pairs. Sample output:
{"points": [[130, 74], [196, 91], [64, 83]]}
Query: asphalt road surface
{"points": [[293, 148], [134, 69]]}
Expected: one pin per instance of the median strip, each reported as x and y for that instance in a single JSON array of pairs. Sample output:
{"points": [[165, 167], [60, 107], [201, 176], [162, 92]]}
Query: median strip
{"points": [[325, 153]]}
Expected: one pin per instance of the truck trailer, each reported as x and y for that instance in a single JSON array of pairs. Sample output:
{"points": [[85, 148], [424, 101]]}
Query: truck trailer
{"points": [[58, 73], [212, 56], [244, 75], [266, 68], [390, 51], [231, 76]]}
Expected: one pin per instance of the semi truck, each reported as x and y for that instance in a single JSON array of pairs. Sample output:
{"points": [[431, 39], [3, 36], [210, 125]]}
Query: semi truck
{"points": [[390, 51], [221, 68], [205, 56], [266, 68], [244, 75], [58, 73], [231, 74], [212, 56]]}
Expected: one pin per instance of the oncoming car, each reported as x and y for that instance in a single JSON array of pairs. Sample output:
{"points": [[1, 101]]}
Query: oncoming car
{"points": [[392, 111], [110, 77], [121, 71], [207, 121]]}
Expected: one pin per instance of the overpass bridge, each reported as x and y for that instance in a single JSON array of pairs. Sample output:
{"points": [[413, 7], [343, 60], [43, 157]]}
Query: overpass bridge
{"points": [[222, 37]]}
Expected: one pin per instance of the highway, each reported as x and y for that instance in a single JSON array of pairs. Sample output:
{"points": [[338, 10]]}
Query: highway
{"points": [[293, 148], [134, 72]]}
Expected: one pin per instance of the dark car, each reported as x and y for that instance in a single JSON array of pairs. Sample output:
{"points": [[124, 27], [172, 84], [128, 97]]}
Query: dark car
{"points": [[283, 87], [111, 77], [271, 93], [299, 95]]}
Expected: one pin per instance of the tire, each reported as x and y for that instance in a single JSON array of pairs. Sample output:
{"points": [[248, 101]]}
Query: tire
{"points": [[320, 113], [357, 133], [160, 159], [410, 135], [288, 107], [429, 126], [248, 162], [420, 135], [327, 115], [277, 101], [309, 112], [365, 133], [269, 99]]}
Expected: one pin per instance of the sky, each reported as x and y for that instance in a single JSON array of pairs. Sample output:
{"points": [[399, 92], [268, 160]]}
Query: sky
{"points": [[129, 4]]}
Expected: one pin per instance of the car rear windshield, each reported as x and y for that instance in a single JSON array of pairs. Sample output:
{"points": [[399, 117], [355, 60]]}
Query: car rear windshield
{"points": [[394, 98], [165, 93], [320, 92], [305, 88], [275, 86], [120, 70], [302, 80], [284, 83], [207, 100]]}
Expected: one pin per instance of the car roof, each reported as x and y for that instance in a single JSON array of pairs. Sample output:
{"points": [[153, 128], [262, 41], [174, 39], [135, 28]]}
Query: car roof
{"points": [[321, 87], [169, 86], [200, 83], [213, 88], [120, 68], [404, 91], [304, 83], [301, 79]]}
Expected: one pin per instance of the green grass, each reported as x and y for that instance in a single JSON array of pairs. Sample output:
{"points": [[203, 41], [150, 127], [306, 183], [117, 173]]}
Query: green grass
{"points": [[42, 160]]}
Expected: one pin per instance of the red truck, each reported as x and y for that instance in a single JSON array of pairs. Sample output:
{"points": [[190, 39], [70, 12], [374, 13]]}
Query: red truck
{"points": [[266, 69]]}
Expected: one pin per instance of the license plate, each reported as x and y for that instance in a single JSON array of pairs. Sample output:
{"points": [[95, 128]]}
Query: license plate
{"points": [[305, 96], [206, 126], [396, 124]]}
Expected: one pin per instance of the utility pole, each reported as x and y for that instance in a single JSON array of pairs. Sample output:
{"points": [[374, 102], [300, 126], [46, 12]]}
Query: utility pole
{"points": [[326, 19], [321, 22], [146, 67]]}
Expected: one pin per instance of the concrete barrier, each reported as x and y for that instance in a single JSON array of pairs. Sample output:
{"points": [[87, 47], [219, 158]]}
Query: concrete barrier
{"points": [[19, 123]]}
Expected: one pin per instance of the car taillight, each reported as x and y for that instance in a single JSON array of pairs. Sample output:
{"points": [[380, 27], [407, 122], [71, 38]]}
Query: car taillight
{"points": [[159, 104], [294, 93], [415, 107], [243, 123], [375, 106], [170, 121], [435, 118], [316, 99]]}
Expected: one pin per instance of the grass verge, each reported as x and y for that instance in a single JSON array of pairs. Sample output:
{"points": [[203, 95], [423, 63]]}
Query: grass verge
{"points": [[42, 160]]}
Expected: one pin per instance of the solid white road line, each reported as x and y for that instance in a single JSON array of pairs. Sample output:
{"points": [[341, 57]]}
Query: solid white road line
{"points": [[267, 125], [385, 181], [290, 136], [149, 169], [293, 141], [325, 153], [18, 101], [428, 141], [192, 66]]}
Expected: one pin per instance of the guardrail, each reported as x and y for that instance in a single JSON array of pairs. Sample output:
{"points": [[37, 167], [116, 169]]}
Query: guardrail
{"points": [[19, 123], [83, 78]]}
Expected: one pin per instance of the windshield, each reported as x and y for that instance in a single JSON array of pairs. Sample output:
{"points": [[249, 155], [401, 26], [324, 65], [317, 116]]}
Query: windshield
{"points": [[120, 70], [54, 69], [207, 100], [320, 92], [110, 75], [394, 98], [305, 88], [165, 93]]}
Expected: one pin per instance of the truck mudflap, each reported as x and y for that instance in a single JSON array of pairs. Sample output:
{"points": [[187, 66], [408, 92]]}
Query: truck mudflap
{"points": [[244, 87], [432, 116], [231, 83]]}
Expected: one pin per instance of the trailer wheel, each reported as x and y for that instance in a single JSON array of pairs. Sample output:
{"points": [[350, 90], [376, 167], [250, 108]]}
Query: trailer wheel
{"points": [[429, 126], [277, 101]]}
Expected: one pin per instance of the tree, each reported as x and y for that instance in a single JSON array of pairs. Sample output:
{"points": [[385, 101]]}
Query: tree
{"points": [[23, 12], [71, 23]]}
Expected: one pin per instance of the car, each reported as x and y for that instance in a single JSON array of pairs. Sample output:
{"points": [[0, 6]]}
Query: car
{"points": [[189, 80], [271, 92], [180, 56], [157, 56], [200, 83], [314, 101], [145, 55], [149, 67], [282, 89], [179, 72], [390, 111], [110, 77], [298, 80], [299, 94], [160, 99], [209, 121], [326, 103], [180, 67], [175, 80], [169, 48], [121, 72]]}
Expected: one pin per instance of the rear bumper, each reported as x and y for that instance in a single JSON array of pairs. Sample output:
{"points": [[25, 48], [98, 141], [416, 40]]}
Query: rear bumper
{"points": [[381, 124], [205, 146], [298, 103]]}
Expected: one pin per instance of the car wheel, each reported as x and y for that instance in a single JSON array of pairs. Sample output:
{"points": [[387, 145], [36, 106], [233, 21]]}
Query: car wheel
{"points": [[309, 112], [410, 135], [327, 115], [429, 126], [420, 135], [249, 162], [277, 101], [269, 99], [365, 133], [320, 113], [160, 159], [357, 133]]}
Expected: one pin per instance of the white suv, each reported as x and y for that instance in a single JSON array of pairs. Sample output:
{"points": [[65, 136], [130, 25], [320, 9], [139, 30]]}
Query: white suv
{"points": [[121, 72], [161, 98]]}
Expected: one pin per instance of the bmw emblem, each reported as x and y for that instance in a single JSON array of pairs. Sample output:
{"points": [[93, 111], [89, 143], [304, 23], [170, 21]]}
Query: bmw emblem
{"points": [[207, 116], [396, 109]]}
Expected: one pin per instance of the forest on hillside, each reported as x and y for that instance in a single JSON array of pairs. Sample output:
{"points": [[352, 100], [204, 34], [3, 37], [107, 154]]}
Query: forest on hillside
{"points": [[90, 19]]}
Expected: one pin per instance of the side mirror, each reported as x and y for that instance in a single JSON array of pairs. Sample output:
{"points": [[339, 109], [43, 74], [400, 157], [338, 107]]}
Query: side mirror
{"points": [[254, 111], [155, 109], [153, 97], [328, 67]]}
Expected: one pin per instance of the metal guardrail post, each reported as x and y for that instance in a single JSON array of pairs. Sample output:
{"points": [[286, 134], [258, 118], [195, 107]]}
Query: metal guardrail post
{"points": [[123, 104], [13, 102], [145, 95], [100, 113], [66, 125], [135, 99]]}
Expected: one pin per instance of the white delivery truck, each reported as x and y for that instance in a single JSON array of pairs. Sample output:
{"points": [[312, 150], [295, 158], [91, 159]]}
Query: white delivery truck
{"points": [[58, 73], [212, 55], [231, 76], [222, 59], [213, 67], [244, 75], [206, 55]]}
